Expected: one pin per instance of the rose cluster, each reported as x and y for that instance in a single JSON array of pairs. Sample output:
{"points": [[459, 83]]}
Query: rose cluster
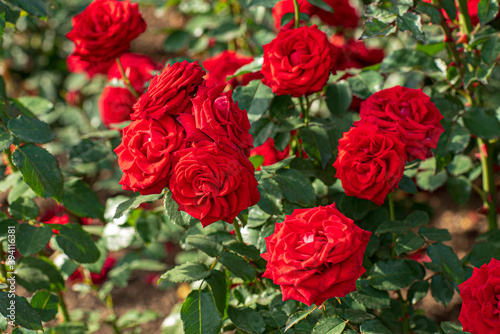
{"points": [[316, 254], [102, 33], [193, 138], [398, 124]]}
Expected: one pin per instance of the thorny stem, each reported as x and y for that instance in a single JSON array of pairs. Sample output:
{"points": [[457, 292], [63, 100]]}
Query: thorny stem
{"points": [[125, 79], [62, 305], [489, 201], [296, 11]]}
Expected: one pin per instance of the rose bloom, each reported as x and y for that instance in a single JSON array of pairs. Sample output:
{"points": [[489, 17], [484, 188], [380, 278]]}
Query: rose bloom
{"points": [[410, 114], [370, 163], [270, 153], [145, 154], [225, 64], [102, 32], [170, 92], [213, 182], [344, 15], [480, 313], [115, 103], [298, 61], [96, 278], [220, 118], [315, 254]]}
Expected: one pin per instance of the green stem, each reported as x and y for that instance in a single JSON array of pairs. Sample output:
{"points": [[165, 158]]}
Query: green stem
{"points": [[392, 214], [242, 219], [2, 258], [237, 231], [464, 18], [297, 12], [125, 79], [111, 309], [489, 201], [62, 305], [404, 311]]}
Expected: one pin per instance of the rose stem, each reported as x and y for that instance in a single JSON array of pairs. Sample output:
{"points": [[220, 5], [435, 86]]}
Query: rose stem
{"points": [[111, 309], [63, 307], [392, 213], [296, 11], [2, 258], [237, 231], [489, 201], [125, 79]]}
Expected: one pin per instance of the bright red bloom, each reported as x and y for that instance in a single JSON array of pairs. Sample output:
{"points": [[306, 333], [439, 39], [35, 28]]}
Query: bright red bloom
{"points": [[344, 15], [370, 163], [96, 278], [315, 254], [102, 32]]}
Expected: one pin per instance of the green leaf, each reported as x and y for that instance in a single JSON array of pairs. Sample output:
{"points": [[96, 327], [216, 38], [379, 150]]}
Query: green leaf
{"points": [[88, 151], [411, 22], [187, 272], [248, 251], [417, 291], [81, 200], [482, 122], [6, 140], [330, 325], [247, 319], [405, 60], [373, 327], [255, 98], [450, 7], [295, 187], [366, 83], [40, 170], [45, 304], [408, 185], [459, 165], [265, 3], [23, 208], [134, 202], [179, 218], [321, 4], [37, 274], [238, 266], [316, 143], [199, 314], [459, 189], [77, 244], [444, 257], [442, 289], [391, 226], [24, 314], [177, 41], [217, 283], [356, 208], [2, 19], [449, 327], [338, 98], [33, 7], [31, 130], [393, 274], [417, 218], [270, 196], [205, 244], [483, 253], [31, 239], [369, 296], [408, 242], [357, 316], [490, 50], [429, 10], [36, 104], [275, 318], [428, 181], [296, 317], [436, 234], [374, 28], [487, 10], [148, 227]]}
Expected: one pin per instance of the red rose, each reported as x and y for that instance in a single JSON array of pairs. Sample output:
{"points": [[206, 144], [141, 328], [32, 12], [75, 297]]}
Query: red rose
{"points": [[226, 63], [115, 103], [96, 278], [344, 15], [370, 163], [270, 153], [315, 254], [219, 117], [213, 182], [480, 313], [170, 92], [145, 154], [354, 53], [59, 220], [298, 61], [410, 114], [101, 33]]}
